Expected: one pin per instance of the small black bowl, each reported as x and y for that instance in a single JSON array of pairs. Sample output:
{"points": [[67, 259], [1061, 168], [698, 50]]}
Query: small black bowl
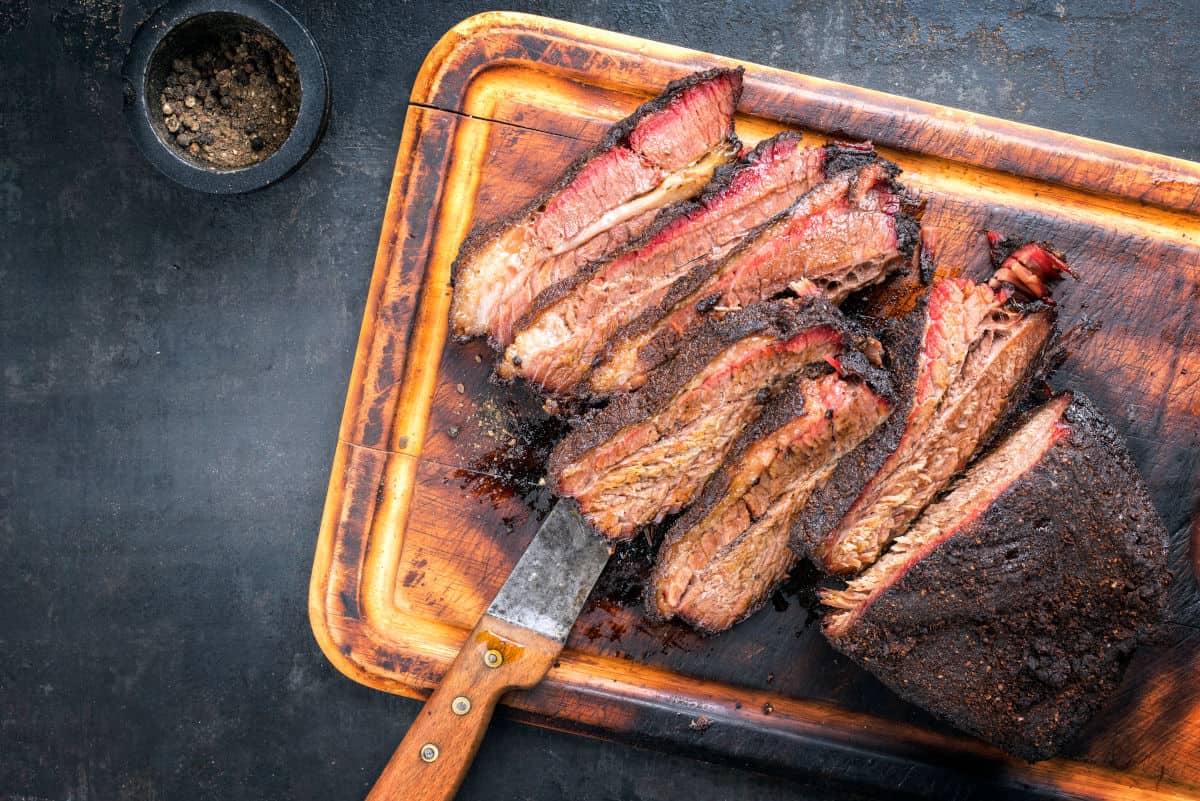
{"points": [[146, 67]]}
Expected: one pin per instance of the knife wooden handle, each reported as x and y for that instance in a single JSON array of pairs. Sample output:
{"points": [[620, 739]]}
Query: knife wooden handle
{"points": [[434, 755]]}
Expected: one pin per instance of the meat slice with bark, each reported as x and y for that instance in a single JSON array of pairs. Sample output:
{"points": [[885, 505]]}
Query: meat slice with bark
{"points": [[846, 234], [558, 343], [1012, 606], [1027, 267], [962, 360], [647, 455], [665, 152], [724, 556]]}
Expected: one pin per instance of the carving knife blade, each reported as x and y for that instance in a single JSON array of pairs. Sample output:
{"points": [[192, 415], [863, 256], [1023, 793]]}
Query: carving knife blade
{"points": [[513, 646]]}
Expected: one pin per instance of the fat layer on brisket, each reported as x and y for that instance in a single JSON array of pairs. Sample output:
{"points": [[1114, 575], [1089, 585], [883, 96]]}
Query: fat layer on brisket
{"points": [[1012, 606], [647, 455], [723, 558], [975, 357], [665, 152], [557, 344], [845, 234]]}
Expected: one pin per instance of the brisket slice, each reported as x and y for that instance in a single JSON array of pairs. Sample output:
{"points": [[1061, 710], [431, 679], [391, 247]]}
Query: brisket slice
{"points": [[845, 234], [1027, 267], [558, 342], [1012, 606], [972, 362], [647, 455], [663, 153], [726, 554]]}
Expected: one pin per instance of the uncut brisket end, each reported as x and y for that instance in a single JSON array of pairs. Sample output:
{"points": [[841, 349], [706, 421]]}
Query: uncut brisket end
{"points": [[1012, 607], [647, 455], [976, 355], [558, 343], [665, 152], [724, 556], [845, 234]]}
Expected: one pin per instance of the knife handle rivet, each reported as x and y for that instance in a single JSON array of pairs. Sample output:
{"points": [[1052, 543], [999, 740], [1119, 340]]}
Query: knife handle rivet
{"points": [[493, 658], [429, 752], [461, 705]]}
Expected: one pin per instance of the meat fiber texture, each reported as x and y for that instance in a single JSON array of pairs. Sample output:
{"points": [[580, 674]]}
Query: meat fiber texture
{"points": [[724, 556], [665, 152], [1017, 601], [844, 235], [647, 454], [565, 333], [962, 360]]}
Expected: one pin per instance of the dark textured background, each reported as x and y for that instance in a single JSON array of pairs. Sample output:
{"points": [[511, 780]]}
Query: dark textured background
{"points": [[174, 367]]}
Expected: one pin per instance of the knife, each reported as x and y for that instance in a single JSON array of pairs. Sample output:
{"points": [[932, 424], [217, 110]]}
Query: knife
{"points": [[512, 646]]}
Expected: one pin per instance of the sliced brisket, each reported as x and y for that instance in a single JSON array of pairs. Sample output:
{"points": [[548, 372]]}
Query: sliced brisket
{"points": [[962, 359], [664, 152], [1012, 606], [722, 558], [1028, 267], [560, 340], [845, 234], [647, 455]]}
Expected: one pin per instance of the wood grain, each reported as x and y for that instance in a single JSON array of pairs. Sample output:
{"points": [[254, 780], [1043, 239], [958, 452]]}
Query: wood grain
{"points": [[434, 490]]}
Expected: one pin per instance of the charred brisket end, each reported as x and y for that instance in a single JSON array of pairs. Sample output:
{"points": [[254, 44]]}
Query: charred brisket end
{"points": [[571, 323], [1016, 616], [619, 133], [843, 235], [977, 356], [761, 156], [908, 236], [982, 484], [841, 156], [648, 454], [649, 148], [1028, 268], [927, 246], [643, 139], [1000, 247], [726, 554], [707, 304]]}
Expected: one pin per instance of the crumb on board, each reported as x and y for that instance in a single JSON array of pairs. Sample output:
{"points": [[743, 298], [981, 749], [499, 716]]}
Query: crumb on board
{"points": [[495, 422]]}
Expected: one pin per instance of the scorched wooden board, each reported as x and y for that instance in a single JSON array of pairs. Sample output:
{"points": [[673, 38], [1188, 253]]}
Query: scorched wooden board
{"points": [[434, 489]]}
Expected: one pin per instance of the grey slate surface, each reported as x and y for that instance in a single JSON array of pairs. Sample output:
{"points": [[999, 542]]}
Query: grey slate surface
{"points": [[174, 367]]}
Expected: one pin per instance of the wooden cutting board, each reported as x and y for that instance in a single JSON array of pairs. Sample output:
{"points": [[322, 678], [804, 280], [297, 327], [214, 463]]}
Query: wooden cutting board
{"points": [[434, 491]]}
